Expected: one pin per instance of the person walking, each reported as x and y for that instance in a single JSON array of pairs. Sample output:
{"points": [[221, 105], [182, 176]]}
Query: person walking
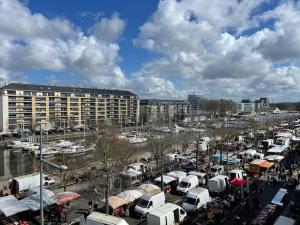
{"points": [[90, 203]]}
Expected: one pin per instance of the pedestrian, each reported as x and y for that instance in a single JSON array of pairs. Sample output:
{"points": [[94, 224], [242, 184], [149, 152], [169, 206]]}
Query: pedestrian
{"points": [[85, 214], [268, 180], [90, 203], [298, 177]]}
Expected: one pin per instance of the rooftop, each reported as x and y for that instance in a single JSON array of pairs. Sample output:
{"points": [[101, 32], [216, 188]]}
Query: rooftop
{"points": [[49, 88]]}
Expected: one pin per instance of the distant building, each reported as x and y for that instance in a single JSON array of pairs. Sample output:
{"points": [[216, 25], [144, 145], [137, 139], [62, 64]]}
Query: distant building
{"points": [[263, 104], [153, 110], [197, 104], [246, 107]]}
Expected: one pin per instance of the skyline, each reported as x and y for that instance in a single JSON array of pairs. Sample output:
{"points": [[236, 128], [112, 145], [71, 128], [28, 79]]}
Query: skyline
{"points": [[157, 49]]}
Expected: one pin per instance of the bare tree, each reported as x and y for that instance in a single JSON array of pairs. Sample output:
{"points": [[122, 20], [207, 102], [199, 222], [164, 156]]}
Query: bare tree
{"points": [[159, 148], [197, 138], [226, 135], [112, 156], [65, 175]]}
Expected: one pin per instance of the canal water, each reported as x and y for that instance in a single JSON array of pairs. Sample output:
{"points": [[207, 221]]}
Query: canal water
{"points": [[19, 163]]}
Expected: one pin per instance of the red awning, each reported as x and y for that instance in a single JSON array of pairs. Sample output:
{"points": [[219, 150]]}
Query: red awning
{"points": [[238, 182], [64, 197]]}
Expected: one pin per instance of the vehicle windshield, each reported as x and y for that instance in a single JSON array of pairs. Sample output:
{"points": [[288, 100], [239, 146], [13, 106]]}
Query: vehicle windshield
{"points": [[129, 167], [183, 184], [143, 203], [232, 176], [213, 170], [191, 201]]}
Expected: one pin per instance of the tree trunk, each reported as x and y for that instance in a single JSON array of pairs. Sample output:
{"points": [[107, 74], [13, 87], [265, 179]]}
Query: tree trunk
{"points": [[197, 156], [106, 194], [161, 175]]}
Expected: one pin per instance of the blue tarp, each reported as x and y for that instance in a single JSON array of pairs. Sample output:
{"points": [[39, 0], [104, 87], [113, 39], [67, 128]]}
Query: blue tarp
{"points": [[279, 196]]}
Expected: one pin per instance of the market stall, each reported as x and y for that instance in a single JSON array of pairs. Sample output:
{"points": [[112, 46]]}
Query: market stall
{"points": [[10, 205], [239, 182], [117, 206], [65, 197]]}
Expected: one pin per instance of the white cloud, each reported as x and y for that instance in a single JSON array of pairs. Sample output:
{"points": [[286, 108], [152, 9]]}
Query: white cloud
{"points": [[206, 48], [35, 42], [108, 29]]}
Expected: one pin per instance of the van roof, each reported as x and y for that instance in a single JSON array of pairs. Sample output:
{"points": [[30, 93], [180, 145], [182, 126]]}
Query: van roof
{"points": [[168, 207], [196, 191], [189, 177], [196, 173], [236, 171], [219, 177], [96, 216], [148, 195], [217, 166]]}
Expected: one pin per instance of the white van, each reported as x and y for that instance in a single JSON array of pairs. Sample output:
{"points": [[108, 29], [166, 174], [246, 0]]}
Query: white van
{"points": [[217, 184], [96, 218], [187, 183], [249, 154], [179, 175], [149, 201], [258, 155], [237, 174], [168, 214], [196, 199], [216, 170], [202, 177], [267, 143], [171, 157]]}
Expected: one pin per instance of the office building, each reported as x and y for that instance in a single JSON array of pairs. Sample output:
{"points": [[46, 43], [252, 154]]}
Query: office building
{"points": [[28, 105], [197, 104], [246, 106], [155, 110]]}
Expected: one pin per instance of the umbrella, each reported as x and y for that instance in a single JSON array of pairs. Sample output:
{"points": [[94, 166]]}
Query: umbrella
{"points": [[130, 195], [148, 187], [238, 182], [67, 196]]}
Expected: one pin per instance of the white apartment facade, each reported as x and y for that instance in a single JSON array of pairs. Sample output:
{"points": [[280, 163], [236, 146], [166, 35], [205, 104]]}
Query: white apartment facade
{"points": [[27, 105]]}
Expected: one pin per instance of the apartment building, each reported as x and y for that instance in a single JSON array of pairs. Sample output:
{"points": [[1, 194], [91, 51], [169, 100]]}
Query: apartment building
{"points": [[155, 110], [28, 105]]}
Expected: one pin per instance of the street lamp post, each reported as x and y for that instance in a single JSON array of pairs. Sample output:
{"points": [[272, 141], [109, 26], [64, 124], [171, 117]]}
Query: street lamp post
{"points": [[60, 167], [41, 179]]}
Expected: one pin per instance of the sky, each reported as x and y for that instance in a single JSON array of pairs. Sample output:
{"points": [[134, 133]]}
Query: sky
{"points": [[165, 49]]}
